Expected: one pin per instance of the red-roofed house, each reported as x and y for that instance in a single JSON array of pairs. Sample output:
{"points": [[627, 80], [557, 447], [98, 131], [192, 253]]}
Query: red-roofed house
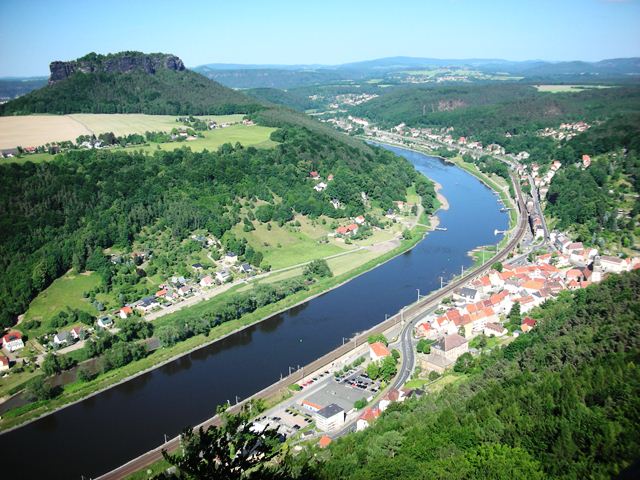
{"points": [[324, 441], [12, 341], [367, 418], [360, 220], [315, 175], [392, 396], [586, 161], [314, 407], [207, 281], [532, 286], [378, 351], [527, 324], [75, 332], [348, 230], [573, 274], [125, 312], [161, 293], [424, 330]]}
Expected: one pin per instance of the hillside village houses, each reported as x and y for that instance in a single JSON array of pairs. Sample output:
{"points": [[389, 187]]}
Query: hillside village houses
{"points": [[482, 306]]}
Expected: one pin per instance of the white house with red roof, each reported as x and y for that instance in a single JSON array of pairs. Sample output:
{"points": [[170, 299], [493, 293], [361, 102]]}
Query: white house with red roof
{"points": [[12, 341], [586, 161], [378, 351], [367, 418], [528, 323], [392, 396], [207, 281], [360, 220], [315, 175], [125, 312]]}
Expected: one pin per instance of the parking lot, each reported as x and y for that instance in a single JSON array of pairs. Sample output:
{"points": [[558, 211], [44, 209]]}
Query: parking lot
{"points": [[288, 421]]}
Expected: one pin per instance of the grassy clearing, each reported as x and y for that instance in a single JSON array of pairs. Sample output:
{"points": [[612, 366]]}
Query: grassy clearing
{"points": [[65, 292], [283, 246], [568, 88], [249, 136]]}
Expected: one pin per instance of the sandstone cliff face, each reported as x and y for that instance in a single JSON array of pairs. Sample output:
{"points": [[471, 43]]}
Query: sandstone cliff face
{"points": [[116, 63]]}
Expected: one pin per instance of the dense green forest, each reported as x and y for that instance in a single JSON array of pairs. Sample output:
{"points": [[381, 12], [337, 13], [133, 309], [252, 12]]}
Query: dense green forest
{"points": [[488, 111], [61, 214], [165, 92], [600, 204]]}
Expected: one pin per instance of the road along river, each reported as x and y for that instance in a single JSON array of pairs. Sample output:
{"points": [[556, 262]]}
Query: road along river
{"points": [[105, 431]]}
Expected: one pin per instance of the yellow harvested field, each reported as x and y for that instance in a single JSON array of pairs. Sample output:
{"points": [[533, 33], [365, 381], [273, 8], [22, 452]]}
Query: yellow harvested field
{"points": [[37, 130]]}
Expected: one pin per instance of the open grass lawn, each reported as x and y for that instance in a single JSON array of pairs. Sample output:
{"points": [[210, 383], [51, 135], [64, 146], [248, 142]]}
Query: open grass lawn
{"points": [[282, 247], [65, 292], [249, 136], [15, 379]]}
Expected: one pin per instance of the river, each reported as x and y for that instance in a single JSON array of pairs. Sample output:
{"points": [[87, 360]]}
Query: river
{"points": [[105, 431]]}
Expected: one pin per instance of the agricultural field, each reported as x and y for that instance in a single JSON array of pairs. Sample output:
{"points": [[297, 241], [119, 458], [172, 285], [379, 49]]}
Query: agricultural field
{"points": [[37, 130], [567, 88]]}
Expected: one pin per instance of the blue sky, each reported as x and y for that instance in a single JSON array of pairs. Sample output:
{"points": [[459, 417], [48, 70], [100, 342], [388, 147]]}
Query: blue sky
{"points": [[35, 32]]}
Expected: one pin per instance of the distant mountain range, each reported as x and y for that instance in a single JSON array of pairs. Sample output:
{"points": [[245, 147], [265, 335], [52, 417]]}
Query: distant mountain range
{"points": [[288, 76], [248, 76]]}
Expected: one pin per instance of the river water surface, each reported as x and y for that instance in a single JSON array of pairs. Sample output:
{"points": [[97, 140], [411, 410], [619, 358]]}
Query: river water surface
{"points": [[107, 430]]}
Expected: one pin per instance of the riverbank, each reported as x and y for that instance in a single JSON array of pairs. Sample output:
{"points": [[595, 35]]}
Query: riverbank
{"points": [[79, 391], [457, 161]]}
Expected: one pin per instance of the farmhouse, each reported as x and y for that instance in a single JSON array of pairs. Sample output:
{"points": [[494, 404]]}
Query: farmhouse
{"points": [[12, 341]]}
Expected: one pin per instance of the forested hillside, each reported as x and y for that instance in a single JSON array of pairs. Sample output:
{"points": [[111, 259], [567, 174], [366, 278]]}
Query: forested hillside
{"points": [[61, 214], [129, 82], [486, 111], [559, 402], [600, 204]]}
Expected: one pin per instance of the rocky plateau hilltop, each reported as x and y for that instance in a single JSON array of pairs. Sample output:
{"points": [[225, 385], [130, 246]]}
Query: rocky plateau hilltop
{"points": [[123, 62]]}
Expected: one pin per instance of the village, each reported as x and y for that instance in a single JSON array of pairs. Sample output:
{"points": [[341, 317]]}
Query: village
{"points": [[495, 307]]}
